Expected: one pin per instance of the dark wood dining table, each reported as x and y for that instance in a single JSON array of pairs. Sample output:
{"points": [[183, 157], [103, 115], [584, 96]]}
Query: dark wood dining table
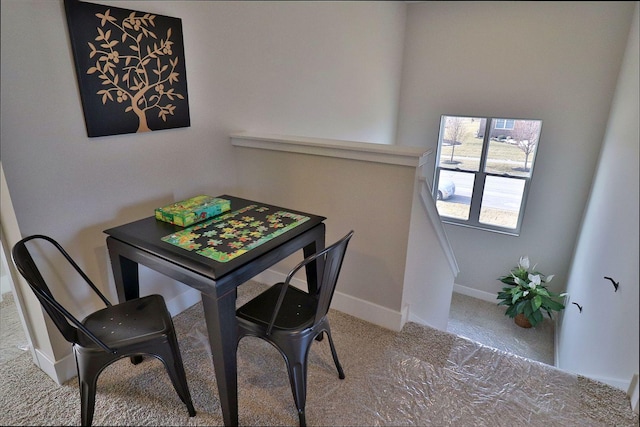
{"points": [[147, 242]]}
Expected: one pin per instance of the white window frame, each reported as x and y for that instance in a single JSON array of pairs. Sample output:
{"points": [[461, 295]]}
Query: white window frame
{"points": [[504, 124], [480, 179]]}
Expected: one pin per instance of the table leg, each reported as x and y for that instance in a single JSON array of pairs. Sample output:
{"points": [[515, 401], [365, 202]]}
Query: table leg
{"points": [[220, 317], [125, 276], [313, 270]]}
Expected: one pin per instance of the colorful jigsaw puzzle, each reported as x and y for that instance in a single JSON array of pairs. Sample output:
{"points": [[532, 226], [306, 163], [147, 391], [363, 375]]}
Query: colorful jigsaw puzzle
{"points": [[228, 236]]}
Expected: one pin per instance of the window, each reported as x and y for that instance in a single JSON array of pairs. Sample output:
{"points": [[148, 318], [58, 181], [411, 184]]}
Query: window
{"points": [[483, 171], [505, 124]]}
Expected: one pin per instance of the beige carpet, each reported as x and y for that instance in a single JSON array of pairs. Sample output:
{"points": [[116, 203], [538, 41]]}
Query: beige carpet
{"points": [[419, 376]]}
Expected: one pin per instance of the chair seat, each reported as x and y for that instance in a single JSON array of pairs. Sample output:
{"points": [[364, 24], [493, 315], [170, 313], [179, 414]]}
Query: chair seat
{"points": [[298, 308], [128, 323]]}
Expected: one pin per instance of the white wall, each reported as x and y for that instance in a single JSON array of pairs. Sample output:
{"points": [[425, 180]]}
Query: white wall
{"points": [[554, 61], [322, 69], [608, 246]]}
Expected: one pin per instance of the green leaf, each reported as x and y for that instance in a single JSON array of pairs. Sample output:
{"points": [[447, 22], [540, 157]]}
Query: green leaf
{"points": [[543, 291], [507, 279], [517, 294], [520, 306], [535, 318], [554, 305], [536, 302]]}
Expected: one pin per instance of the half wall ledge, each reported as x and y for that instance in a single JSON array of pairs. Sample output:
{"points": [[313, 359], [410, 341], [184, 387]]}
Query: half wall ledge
{"points": [[371, 152]]}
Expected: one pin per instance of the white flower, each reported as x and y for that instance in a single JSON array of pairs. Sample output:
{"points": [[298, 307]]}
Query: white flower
{"points": [[549, 278], [524, 262], [535, 280]]}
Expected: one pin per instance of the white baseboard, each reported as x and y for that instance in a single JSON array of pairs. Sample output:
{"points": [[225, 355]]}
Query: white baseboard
{"points": [[365, 310], [475, 293], [370, 312], [61, 371]]}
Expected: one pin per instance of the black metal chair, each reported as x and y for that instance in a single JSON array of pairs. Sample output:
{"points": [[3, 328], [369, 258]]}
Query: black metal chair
{"points": [[290, 319], [132, 328]]}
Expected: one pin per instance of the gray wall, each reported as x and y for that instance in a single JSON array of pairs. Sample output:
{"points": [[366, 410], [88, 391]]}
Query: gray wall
{"points": [[554, 61]]}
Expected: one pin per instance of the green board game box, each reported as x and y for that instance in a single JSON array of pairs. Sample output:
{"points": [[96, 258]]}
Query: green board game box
{"points": [[193, 210]]}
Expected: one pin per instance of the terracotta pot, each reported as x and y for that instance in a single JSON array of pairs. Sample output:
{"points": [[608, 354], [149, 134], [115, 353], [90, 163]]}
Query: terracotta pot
{"points": [[522, 321]]}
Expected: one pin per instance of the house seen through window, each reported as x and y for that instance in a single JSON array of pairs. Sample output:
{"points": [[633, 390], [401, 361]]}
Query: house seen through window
{"points": [[483, 171]]}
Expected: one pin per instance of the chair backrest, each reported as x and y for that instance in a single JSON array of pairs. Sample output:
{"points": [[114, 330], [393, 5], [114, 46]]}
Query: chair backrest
{"points": [[68, 324], [330, 260], [333, 257]]}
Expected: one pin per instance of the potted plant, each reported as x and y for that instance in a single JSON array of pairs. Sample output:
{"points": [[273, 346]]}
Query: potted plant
{"points": [[527, 295]]}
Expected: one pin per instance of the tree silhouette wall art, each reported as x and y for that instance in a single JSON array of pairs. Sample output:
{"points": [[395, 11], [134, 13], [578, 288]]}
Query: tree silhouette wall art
{"points": [[130, 67]]}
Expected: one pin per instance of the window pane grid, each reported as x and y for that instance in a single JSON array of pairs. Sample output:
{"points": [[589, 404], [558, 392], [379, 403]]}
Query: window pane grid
{"points": [[483, 171]]}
